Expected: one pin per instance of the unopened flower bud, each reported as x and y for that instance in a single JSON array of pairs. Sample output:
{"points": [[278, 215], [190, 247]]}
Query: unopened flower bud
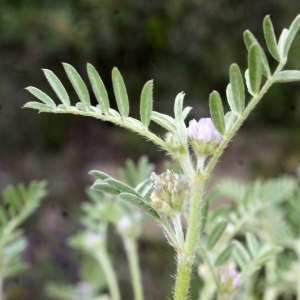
{"points": [[203, 136]]}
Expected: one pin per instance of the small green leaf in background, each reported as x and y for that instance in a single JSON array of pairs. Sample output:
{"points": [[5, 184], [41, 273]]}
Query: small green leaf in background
{"points": [[120, 93], [146, 103], [140, 203], [98, 88], [215, 235], [78, 85], [249, 39], [241, 255], [248, 84], [252, 243], [255, 67], [230, 118], [281, 41], [267, 253], [270, 38], [42, 96], [237, 87], [58, 87], [224, 255], [291, 35], [217, 111]]}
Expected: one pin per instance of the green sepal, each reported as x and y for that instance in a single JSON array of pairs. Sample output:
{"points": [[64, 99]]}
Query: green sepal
{"points": [[224, 255], [98, 88], [78, 85], [120, 93], [270, 38], [146, 103], [237, 88], [217, 111], [249, 39], [41, 96], [288, 76], [58, 87], [215, 235], [140, 203], [255, 67]]}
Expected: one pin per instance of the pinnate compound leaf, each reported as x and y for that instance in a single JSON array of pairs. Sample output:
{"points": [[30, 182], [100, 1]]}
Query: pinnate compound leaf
{"points": [[120, 93], [249, 39], [237, 88], [78, 85], [98, 88], [217, 111], [252, 244], [291, 35], [216, 234], [288, 76], [270, 38], [164, 121], [41, 96], [255, 67], [224, 255], [58, 87], [39, 106], [146, 103], [140, 203]]}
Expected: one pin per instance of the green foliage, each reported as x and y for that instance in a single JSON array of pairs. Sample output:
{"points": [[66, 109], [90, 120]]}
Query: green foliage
{"points": [[18, 204]]}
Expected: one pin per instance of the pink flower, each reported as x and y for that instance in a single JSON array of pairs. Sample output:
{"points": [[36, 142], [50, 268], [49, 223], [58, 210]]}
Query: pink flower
{"points": [[204, 131]]}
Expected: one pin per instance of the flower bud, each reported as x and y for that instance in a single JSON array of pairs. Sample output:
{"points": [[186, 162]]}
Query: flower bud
{"points": [[203, 136], [229, 279]]}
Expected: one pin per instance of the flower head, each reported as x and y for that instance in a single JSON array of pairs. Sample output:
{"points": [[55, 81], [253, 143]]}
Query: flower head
{"points": [[204, 130], [229, 279], [203, 136]]}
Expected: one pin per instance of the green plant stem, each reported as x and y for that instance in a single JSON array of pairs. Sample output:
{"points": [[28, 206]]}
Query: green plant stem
{"points": [[241, 118], [186, 258], [271, 291], [109, 273], [132, 255], [212, 272]]}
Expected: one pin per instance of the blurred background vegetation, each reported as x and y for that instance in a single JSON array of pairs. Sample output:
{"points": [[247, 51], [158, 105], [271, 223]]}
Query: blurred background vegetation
{"points": [[182, 45]]}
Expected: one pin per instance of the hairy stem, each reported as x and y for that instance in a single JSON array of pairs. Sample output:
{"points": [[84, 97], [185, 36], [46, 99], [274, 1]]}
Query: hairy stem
{"points": [[132, 254], [186, 258]]}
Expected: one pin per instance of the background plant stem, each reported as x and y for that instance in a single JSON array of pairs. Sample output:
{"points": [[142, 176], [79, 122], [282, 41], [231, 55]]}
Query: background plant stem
{"points": [[131, 251]]}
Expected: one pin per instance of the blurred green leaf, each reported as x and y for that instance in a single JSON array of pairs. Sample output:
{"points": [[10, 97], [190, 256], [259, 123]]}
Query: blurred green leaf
{"points": [[271, 38], [217, 112], [255, 67], [146, 103]]}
